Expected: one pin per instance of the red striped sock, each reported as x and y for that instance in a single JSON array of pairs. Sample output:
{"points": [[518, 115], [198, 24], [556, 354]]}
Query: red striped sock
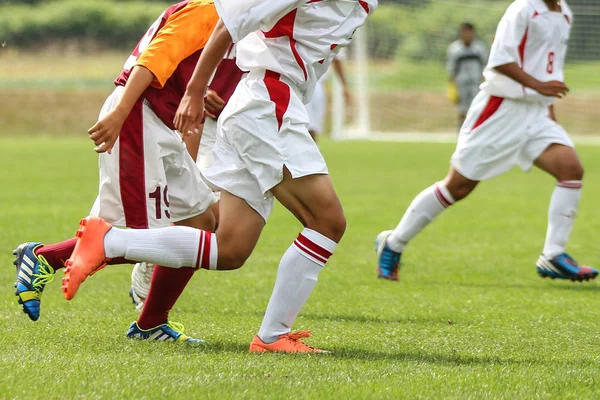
{"points": [[207, 251]]}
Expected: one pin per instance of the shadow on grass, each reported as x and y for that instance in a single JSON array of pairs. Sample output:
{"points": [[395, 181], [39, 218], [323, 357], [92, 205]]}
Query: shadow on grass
{"points": [[543, 286], [375, 319], [403, 356]]}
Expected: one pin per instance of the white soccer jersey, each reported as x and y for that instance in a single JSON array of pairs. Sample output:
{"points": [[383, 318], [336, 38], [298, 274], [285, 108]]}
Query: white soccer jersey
{"points": [[536, 39], [295, 38]]}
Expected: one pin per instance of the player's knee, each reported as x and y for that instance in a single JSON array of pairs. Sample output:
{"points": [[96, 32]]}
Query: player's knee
{"points": [[461, 190], [572, 171], [330, 224], [231, 260]]}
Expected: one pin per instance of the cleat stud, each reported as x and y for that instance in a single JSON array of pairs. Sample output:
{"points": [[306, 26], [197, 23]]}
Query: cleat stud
{"points": [[83, 222], [79, 233]]}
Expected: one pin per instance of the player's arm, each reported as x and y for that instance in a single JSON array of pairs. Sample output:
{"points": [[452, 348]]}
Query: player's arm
{"points": [[106, 131], [505, 57], [550, 88], [338, 67], [189, 114]]}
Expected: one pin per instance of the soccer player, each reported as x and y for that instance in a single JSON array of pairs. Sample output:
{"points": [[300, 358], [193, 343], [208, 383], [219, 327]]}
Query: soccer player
{"points": [[147, 177], [318, 105], [467, 57], [511, 122], [263, 151], [227, 76]]}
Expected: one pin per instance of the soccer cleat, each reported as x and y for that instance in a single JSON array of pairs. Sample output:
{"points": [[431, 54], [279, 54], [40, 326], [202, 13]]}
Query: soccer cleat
{"points": [[564, 266], [287, 343], [33, 274], [168, 332], [141, 277], [388, 261], [88, 256]]}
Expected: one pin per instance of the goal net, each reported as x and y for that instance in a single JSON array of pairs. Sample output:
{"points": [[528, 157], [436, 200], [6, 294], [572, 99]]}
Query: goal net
{"points": [[397, 69]]}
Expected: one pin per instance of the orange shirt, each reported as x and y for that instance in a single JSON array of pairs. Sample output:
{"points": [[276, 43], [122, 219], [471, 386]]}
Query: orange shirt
{"points": [[184, 33]]}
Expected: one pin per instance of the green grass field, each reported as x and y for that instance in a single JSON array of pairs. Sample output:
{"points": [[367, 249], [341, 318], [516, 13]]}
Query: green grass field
{"points": [[469, 318]]}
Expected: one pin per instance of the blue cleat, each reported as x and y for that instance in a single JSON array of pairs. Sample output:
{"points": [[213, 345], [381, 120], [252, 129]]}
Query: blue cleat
{"points": [[33, 274], [169, 332], [388, 261], [564, 266]]}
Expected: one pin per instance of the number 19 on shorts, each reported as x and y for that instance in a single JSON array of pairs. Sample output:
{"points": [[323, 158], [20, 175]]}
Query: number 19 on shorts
{"points": [[161, 196]]}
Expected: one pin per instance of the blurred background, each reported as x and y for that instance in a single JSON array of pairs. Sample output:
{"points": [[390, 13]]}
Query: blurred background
{"points": [[58, 59]]}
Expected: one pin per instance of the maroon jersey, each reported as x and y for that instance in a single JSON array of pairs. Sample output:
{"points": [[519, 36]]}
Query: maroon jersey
{"points": [[227, 77], [183, 29]]}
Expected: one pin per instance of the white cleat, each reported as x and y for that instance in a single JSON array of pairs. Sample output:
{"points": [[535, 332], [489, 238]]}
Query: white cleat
{"points": [[141, 277]]}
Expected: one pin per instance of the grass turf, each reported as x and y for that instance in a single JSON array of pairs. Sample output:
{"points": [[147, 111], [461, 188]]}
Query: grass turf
{"points": [[469, 319]]}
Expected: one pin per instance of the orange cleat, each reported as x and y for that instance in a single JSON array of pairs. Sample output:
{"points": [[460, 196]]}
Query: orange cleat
{"points": [[287, 343], [88, 256]]}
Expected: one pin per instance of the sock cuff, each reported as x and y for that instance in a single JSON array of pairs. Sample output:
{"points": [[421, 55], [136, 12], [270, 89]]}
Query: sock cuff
{"points": [[443, 195], [314, 246], [203, 257], [570, 184]]}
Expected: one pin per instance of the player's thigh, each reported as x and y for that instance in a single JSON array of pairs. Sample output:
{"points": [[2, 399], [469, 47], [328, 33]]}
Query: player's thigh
{"points": [[552, 150], [240, 226], [491, 138], [312, 199], [184, 196]]}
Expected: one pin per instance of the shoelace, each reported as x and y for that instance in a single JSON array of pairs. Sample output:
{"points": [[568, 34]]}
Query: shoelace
{"points": [[44, 276], [389, 258], [296, 336], [179, 328]]}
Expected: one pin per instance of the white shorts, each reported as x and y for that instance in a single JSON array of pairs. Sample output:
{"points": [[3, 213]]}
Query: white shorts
{"points": [[206, 159], [317, 108], [501, 133], [149, 180], [263, 129]]}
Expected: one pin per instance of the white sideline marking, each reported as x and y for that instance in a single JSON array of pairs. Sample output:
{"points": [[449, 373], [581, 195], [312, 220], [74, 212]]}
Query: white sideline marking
{"points": [[445, 137]]}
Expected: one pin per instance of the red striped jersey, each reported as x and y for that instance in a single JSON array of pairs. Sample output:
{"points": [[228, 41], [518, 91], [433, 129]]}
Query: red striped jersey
{"points": [[535, 38], [170, 50]]}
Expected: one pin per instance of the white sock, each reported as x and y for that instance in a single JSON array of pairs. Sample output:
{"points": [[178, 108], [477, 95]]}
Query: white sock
{"points": [[424, 208], [174, 246], [561, 216], [296, 278]]}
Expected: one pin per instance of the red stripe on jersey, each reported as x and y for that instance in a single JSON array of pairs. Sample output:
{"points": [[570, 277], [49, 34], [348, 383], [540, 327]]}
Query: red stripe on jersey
{"points": [[568, 19], [490, 109], [364, 5], [285, 28], [132, 174], [279, 93], [522, 48], [312, 246]]}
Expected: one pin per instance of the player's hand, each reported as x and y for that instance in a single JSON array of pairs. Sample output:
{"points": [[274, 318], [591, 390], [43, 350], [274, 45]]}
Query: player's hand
{"points": [[553, 89], [213, 104], [107, 130], [189, 114]]}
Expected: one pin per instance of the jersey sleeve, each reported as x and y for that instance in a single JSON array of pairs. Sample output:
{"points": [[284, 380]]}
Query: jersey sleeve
{"points": [[184, 33], [509, 35], [242, 17]]}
